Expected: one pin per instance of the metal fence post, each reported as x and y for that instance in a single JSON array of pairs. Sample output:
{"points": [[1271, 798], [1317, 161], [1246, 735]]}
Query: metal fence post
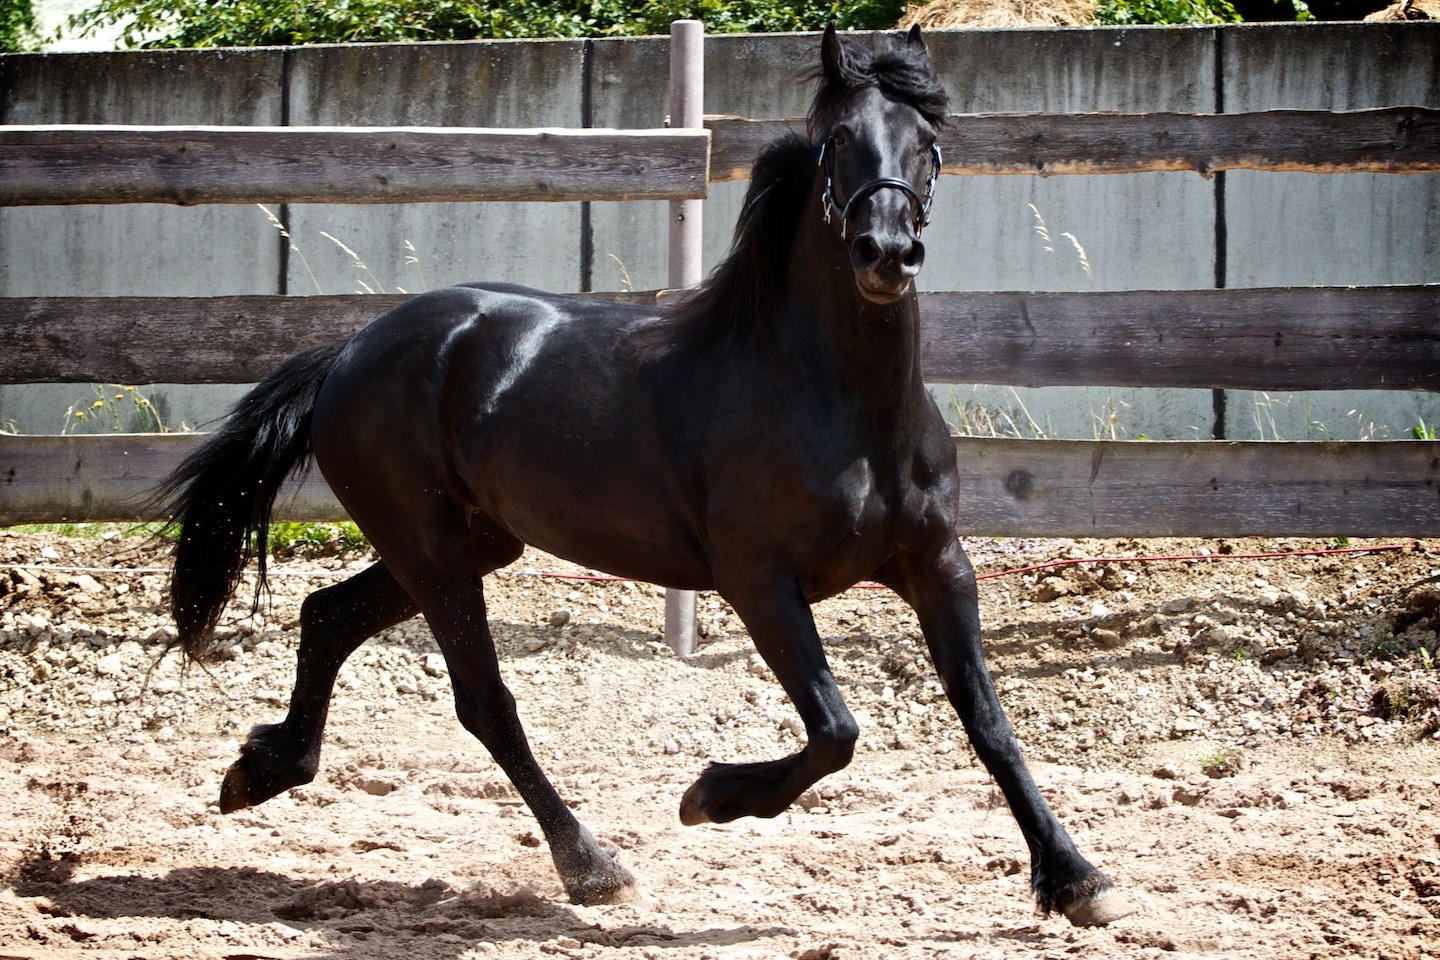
{"points": [[687, 109]]}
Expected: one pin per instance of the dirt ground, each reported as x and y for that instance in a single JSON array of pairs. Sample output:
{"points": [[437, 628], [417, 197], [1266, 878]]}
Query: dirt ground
{"points": [[1249, 746]]}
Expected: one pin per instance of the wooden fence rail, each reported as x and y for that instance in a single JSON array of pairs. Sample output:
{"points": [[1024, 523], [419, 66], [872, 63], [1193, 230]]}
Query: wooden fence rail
{"points": [[1072, 488], [69, 164], [1302, 338], [1311, 338], [1383, 140]]}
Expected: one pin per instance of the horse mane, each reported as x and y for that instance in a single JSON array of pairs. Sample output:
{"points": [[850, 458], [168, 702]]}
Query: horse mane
{"points": [[734, 301]]}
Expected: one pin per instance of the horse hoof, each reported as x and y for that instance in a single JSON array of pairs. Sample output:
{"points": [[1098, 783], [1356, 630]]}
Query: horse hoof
{"points": [[1099, 909], [235, 790], [690, 812]]}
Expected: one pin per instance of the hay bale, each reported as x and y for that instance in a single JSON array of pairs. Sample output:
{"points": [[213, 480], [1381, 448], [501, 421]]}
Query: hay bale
{"points": [[1407, 10], [940, 14]]}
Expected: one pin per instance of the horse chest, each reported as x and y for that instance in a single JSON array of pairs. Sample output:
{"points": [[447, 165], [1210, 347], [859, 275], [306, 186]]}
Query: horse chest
{"points": [[860, 518]]}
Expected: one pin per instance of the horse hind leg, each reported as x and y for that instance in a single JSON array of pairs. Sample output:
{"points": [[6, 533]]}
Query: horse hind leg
{"points": [[334, 622], [442, 559], [486, 708]]}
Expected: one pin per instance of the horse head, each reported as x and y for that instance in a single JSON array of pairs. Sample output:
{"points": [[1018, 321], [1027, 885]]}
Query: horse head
{"points": [[875, 121]]}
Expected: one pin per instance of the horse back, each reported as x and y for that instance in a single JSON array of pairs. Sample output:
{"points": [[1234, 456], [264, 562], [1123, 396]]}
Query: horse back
{"points": [[529, 408]]}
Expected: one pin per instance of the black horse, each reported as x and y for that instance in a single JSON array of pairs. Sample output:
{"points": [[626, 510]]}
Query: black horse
{"points": [[769, 437]]}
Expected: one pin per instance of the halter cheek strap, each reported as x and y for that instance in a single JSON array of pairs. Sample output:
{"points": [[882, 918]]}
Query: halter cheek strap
{"points": [[830, 204]]}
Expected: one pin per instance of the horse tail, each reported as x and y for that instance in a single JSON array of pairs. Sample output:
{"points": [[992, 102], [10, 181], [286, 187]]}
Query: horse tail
{"points": [[221, 496]]}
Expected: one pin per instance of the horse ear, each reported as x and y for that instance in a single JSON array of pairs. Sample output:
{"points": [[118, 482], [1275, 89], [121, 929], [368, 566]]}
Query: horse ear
{"points": [[832, 55], [915, 41]]}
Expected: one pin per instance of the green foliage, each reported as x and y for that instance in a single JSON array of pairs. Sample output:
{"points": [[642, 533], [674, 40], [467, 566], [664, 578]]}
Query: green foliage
{"points": [[324, 538], [1129, 12], [19, 30], [205, 23], [1423, 432], [1221, 762], [92, 531], [115, 408]]}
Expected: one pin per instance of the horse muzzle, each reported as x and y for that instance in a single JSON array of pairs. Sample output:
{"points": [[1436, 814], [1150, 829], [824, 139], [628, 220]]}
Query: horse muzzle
{"points": [[885, 265]]}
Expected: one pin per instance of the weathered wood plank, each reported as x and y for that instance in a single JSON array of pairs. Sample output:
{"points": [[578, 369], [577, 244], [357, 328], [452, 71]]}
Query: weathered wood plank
{"points": [[1264, 339], [1011, 487], [1202, 489], [70, 164], [54, 479], [1305, 338], [186, 165], [138, 340], [1384, 140]]}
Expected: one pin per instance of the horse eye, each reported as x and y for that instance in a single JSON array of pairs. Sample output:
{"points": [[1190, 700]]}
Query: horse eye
{"points": [[841, 138]]}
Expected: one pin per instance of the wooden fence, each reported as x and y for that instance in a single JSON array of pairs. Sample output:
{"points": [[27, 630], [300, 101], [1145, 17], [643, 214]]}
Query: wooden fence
{"points": [[1378, 338]]}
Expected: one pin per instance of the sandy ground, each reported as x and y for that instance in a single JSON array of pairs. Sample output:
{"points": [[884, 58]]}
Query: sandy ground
{"points": [[1248, 746]]}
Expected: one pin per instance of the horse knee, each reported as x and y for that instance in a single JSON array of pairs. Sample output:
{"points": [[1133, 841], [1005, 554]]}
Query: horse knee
{"points": [[832, 745]]}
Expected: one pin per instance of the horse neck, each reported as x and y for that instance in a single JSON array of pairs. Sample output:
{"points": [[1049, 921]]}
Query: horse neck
{"points": [[874, 349]]}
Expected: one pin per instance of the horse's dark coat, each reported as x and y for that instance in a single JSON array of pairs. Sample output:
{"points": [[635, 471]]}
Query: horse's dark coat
{"points": [[770, 438]]}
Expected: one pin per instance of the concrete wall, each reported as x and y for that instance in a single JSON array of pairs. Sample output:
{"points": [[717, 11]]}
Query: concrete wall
{"points": [[1161, 231]]}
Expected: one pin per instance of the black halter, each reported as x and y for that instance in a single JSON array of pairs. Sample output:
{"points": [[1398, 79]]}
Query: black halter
{"points": [[830, 204]]}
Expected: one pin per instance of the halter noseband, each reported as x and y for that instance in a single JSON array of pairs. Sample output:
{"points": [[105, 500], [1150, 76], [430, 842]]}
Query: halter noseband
{"points": [[830, 204]]}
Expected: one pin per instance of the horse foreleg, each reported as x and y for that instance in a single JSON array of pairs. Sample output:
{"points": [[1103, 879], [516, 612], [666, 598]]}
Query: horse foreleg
{"points": [[942, 591], [783, 630], [334, 622]]}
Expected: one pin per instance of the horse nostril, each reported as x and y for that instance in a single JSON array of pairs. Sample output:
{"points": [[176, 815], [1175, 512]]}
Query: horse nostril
{"points": [[893, 257], [865, 253], [913, 257]]}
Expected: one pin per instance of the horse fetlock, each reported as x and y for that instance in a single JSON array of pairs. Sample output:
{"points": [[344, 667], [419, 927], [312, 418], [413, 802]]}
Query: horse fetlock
{"points": [[831, 750]]}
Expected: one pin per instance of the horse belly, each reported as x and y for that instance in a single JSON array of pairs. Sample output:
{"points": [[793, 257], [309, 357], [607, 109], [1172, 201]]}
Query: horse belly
{"points": [[569, 463], [595, 514]]}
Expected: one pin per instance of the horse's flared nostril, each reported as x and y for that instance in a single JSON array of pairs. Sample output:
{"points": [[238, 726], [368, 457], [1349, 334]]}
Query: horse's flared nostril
{"points": [[913, 258], [865, 253]]}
